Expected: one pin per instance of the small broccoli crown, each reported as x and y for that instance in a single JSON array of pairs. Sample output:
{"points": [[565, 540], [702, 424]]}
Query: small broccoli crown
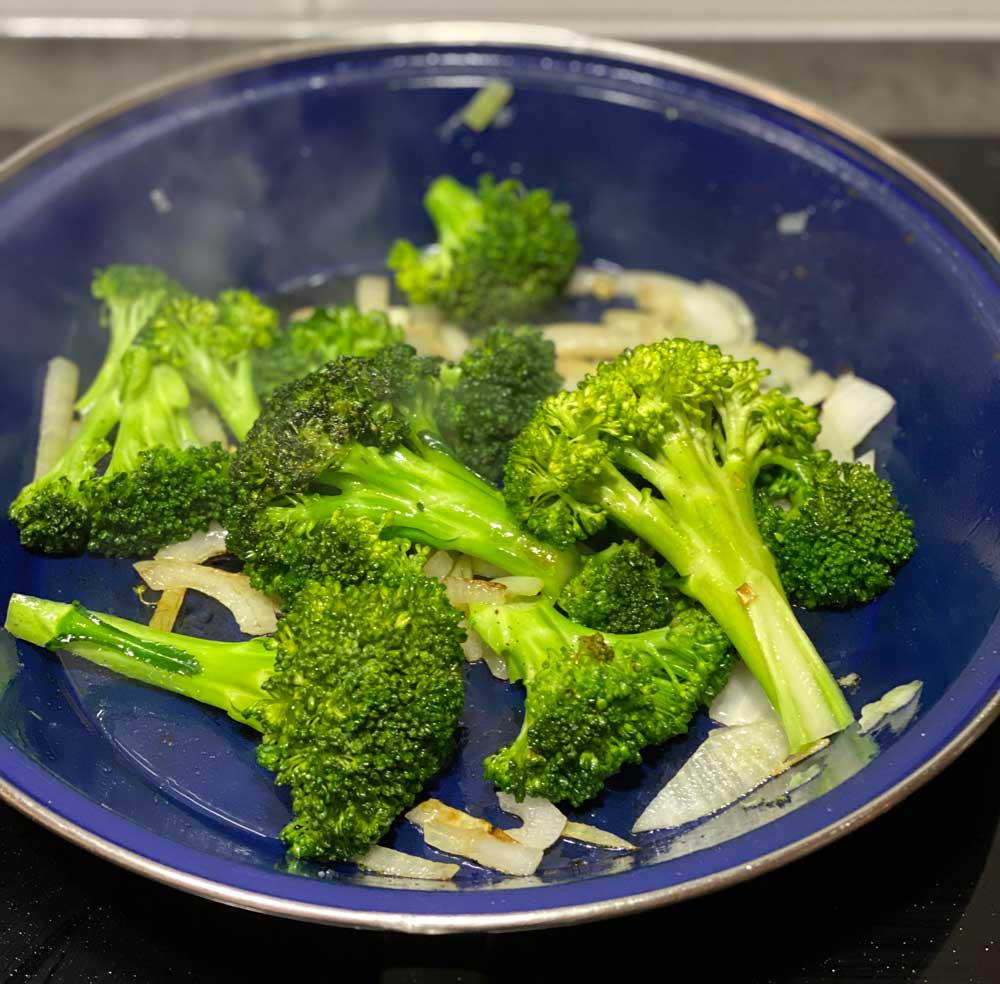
{"points": [[366, 695], [505, 374], [504, 252], [328, 332], [622, 589], [308, 426], [595, 701], [167, 496], [126, 284], [52, 516], [286, 547], [843, 536]]}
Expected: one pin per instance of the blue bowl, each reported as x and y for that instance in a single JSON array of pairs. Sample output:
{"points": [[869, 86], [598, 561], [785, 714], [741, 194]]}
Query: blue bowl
{"points": [[280, 170]]}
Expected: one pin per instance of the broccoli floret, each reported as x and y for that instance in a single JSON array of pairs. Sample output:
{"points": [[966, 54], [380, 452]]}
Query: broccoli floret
{"points": [[622, 589], [161, 484], [284, 547], [694, 427], [131, 295], [503, 252], [357, 696], [52, 513], [361, 433], [212, 343], [835, 529], [492, 393], [595, 701], [306, 345]]}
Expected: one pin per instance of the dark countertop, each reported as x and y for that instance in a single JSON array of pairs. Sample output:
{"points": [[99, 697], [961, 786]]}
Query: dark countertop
{"points": [[914, 896]]}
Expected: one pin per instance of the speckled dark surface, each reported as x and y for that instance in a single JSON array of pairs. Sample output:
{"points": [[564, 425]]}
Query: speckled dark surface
{"points": [[915, 896]]}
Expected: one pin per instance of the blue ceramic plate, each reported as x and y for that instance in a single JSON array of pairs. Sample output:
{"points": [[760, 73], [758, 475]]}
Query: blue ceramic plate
{"points": [[282, 170]]}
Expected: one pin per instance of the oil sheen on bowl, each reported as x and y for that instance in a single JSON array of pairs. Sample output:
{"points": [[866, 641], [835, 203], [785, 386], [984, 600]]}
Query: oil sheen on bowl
{"points": [[282, 171]]}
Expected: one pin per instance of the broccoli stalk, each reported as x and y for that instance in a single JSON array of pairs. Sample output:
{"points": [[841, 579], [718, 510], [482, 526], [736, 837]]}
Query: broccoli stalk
{"points": [[161, 484], [695, 428], [212, 344], [131, 296], [357, 696], [358, 437], [595, 701], [503, 252]]}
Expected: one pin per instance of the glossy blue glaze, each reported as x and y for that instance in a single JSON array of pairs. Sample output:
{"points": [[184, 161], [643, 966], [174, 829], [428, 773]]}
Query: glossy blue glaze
{"points": [[284, 173]]}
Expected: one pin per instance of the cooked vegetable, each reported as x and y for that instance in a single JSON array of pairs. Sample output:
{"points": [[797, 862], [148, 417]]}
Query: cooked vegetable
{"points": [[386, 861], [56, 423], [503, 252], [595, 701], [543, 821], [357, 696], [694, 429]]}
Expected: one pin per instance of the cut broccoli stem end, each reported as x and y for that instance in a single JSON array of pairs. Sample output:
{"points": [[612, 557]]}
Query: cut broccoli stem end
{"points": [[449, 509], [711, 539], [228, 676]]}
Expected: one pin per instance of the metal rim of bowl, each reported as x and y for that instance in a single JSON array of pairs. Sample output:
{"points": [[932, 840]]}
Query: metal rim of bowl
{"points": [[472, 34]]}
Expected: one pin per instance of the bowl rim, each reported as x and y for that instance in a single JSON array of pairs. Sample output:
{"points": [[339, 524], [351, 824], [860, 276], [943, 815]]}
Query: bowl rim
{"points": [[474, 34]]}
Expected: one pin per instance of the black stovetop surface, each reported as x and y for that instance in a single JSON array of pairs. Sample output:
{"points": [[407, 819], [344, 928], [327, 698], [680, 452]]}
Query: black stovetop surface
{"points": [[914, 896]]}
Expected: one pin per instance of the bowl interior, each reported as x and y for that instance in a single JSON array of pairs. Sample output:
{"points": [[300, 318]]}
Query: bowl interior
{"points": [[282, 176]]}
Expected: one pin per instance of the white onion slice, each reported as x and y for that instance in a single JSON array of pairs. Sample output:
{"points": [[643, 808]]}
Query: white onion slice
{"points": [[520, 586], [868, 458], [454, 341], [467, 591], [879, 712], [462, 567], [726, 766], [814, 389], [585, 341], [399, 316], [371, 293], [254, 612], [439, 564], [62, 378], [167, 609], [587, 834], [455, 832], [483, 568], [198, 547], [386, 861], [850, 413], [543, 821], [742, 700], [208, 426]]}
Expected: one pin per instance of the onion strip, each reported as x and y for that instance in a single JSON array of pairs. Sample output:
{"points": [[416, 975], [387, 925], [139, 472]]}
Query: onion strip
{"points": [[62, 378], [196, 549], [386, 861]]}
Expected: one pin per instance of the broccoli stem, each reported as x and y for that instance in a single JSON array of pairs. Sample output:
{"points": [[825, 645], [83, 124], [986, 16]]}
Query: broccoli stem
{"points": [[707, 530], [230, 389], [226, 675], [432, 499]]}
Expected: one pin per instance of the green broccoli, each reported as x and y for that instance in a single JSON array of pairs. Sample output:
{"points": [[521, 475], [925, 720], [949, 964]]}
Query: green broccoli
{"points": [[212, 343], [161, 484], [622, 589], [131, 295], [835, 529], [52, 513], [693, 426], [357, 696], [504, 375], [595, 701], [358, 436], [503, 252], [304, 346]]}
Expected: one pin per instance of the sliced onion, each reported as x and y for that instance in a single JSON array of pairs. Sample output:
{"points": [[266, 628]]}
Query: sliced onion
{"points": [[208, 426], [473, 646], [455, 832], [543, 821], [399, 316], [198, 548], [742, 700], [483, 568], [254, 612], [167, 609], [850, 413], [583, 340], [573, 371], [439, 564], [466, 591], [867, 459], [454, 341], [725, 767], [586, 281], [879, 713], [386, 861], [587, 834], [371, 293], [462, 567], [521, 587], [814, 389], [497, 664], [62, 378]]}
